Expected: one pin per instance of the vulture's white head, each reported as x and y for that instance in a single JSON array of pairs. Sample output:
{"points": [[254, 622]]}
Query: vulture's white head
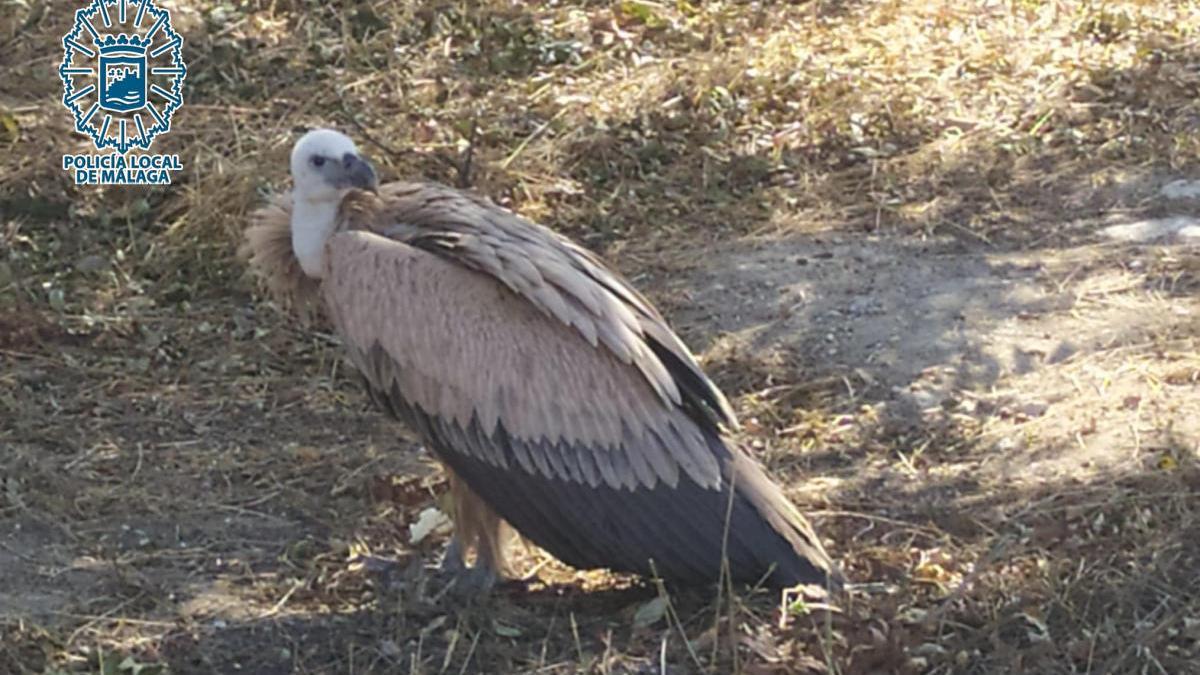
{"points": [[325, 166]]}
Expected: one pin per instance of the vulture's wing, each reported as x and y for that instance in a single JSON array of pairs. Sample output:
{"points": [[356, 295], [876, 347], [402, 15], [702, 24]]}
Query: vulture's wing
{"points": [[567, 422], [559, 277]]}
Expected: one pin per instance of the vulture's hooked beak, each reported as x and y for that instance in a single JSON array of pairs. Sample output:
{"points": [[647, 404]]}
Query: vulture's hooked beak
{"points": [[357, 173]]}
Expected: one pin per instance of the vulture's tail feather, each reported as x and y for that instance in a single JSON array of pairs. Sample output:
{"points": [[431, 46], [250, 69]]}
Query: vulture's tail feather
{"points": [[800, 557]]}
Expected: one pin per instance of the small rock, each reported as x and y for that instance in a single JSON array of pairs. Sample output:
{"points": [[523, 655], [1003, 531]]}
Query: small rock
{"points": [[929, 649], [57, 299], [1035, 409], [1062, 352], [921, 399], [1181, 189], [390, 649], [1144, 231], [91, 263], [863, 306]]}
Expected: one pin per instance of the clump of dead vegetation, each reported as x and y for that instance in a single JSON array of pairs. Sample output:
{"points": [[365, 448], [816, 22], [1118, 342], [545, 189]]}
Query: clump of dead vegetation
{"points": [[189, 481]]}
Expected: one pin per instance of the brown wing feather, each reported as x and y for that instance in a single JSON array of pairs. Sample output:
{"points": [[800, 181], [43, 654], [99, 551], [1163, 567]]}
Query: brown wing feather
{"points": [[562, 279], [465, 349]]}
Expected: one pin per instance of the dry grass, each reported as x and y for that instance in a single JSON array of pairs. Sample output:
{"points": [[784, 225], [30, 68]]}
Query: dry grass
{"points": [[189, 481]]}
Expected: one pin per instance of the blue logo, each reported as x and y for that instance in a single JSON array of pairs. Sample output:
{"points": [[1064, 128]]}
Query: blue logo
{"points": [[122, 74]]}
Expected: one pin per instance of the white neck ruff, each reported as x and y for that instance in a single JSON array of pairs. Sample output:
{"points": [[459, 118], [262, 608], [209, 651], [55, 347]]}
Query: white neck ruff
{"points": [[312, 224]]}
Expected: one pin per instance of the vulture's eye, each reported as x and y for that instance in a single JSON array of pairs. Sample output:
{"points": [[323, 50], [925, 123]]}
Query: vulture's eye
{"points": [[318, 160]]}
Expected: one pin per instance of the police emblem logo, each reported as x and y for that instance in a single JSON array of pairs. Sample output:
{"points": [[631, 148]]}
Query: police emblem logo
{"points": [[122, 73]]}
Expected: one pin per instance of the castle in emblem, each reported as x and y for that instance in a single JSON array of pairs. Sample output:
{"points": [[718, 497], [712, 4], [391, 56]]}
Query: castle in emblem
{"points": [[123, 73]]}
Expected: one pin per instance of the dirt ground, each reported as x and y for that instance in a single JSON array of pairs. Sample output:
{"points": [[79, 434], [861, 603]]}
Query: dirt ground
{"points": [[943, 260], [1033, 403], [1014, 343]]}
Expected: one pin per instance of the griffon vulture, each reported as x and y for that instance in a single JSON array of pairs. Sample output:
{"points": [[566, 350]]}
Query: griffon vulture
{"points": [[554, 393]]}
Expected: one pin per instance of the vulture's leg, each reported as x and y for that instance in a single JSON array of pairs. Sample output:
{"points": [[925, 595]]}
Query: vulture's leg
{"points": [[477, 527], [455, 559]]}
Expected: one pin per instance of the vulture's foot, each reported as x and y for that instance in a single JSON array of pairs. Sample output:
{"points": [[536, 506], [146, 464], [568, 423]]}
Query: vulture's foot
{"points": [[474, 581]]}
